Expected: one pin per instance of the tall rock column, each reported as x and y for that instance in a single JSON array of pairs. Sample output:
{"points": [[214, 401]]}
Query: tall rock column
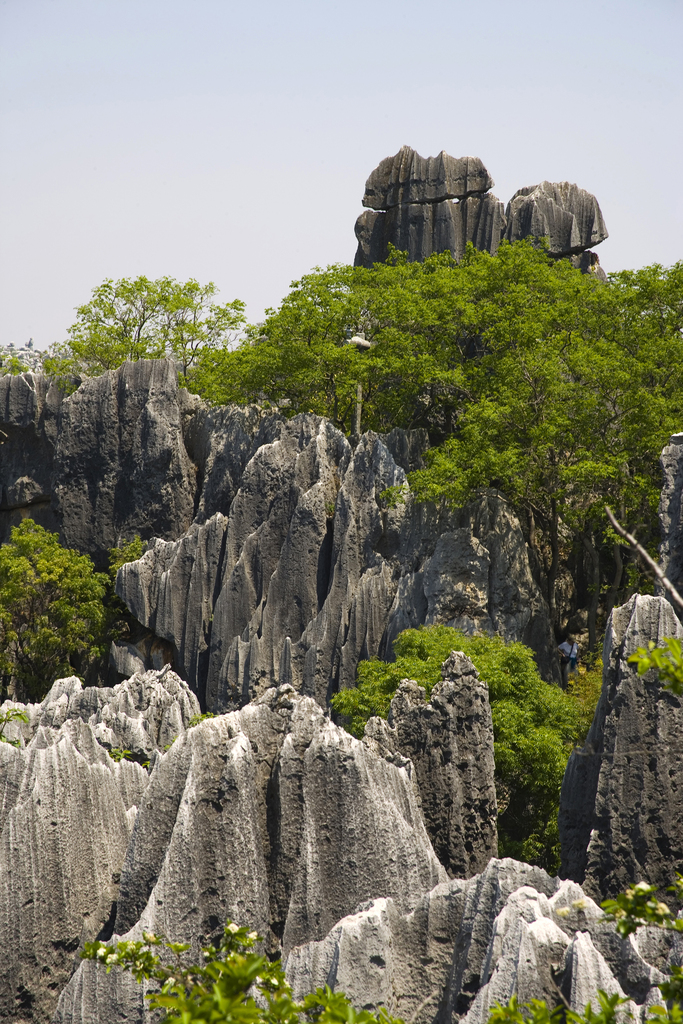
{"points": [[621, 808], [449, 740]]}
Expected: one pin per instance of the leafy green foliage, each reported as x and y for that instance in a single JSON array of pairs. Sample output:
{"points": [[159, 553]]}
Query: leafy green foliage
{"points": [[223, 989], [666, 660], [51, 609], [196, 719], [11, 715], [534, 726], [119, 754], [143, 319], [585, 689], [639, 905], [12, 365], [128, 552], [555, 387]]}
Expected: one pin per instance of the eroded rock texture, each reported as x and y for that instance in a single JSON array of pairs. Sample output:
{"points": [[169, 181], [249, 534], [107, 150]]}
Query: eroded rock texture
{"points": [[470, 944], [306, 573], [568, 216], [272, 816], [104, 464], [621, 810], [410, 178], [30, 407], [410, 208], [449, 740], [272, 557]]}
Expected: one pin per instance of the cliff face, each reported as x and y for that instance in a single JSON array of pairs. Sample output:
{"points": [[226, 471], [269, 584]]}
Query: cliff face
{"points": [[621, 811], [273, 557]]}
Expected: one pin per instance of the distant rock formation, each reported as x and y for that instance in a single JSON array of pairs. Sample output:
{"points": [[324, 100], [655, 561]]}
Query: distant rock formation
{"points": [[568, 216], [671, 512], [409, 199], [621, 809]]}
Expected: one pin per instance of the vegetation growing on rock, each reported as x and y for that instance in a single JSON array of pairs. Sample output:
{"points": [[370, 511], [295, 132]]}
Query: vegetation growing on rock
{"points": [[535, 726]]}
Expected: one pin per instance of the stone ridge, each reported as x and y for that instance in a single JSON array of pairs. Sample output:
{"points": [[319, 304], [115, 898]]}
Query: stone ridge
{"points": [[306, 573], [410, 178], [272, 816], [449, 740], [468, 945], [271, 557], [621, 808]]}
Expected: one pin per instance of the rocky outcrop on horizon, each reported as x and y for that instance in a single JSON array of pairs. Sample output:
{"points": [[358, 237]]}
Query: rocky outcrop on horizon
{"points": [[621, 809], [410, 207]]}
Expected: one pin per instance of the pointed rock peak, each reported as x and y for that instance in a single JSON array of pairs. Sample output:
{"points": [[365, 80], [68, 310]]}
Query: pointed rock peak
{"points": [[410, 178]]}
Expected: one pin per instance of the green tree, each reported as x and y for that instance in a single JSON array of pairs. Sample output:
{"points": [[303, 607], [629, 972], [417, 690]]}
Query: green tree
{"points": [[136, 318], [51, 610], [534, 726], [234, 985]]}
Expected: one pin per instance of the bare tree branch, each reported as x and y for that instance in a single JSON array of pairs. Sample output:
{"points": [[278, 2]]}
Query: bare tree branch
{"points": [[649, 562]]}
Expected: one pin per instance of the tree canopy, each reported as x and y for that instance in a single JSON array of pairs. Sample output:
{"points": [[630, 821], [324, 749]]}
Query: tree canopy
{"points": [[551, 385], [52, 611], [136, 318]]}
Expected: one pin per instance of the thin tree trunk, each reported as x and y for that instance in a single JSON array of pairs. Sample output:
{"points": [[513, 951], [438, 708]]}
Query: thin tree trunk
{"points": [[359, 407], [589, 544], [613, 591], [554, 567]]}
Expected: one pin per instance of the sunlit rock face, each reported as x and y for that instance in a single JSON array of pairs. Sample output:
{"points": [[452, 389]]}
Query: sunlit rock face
{"points": [[410, 201], [621, 810]]}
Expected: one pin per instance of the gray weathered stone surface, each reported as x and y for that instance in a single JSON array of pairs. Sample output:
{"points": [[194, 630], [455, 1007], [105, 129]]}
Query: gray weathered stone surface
{"points": [[66, 815], [273, 816], [564, 213], [30, 409], [425, 228], [410, 208], [470, 944], [288, 536], [449, 740], [306, 552], [142, 714], [621, 810], [411, 178], [103, 464]]}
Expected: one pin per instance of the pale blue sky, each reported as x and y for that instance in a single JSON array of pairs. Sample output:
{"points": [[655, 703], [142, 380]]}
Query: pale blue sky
{"points": [[231, 141]]}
